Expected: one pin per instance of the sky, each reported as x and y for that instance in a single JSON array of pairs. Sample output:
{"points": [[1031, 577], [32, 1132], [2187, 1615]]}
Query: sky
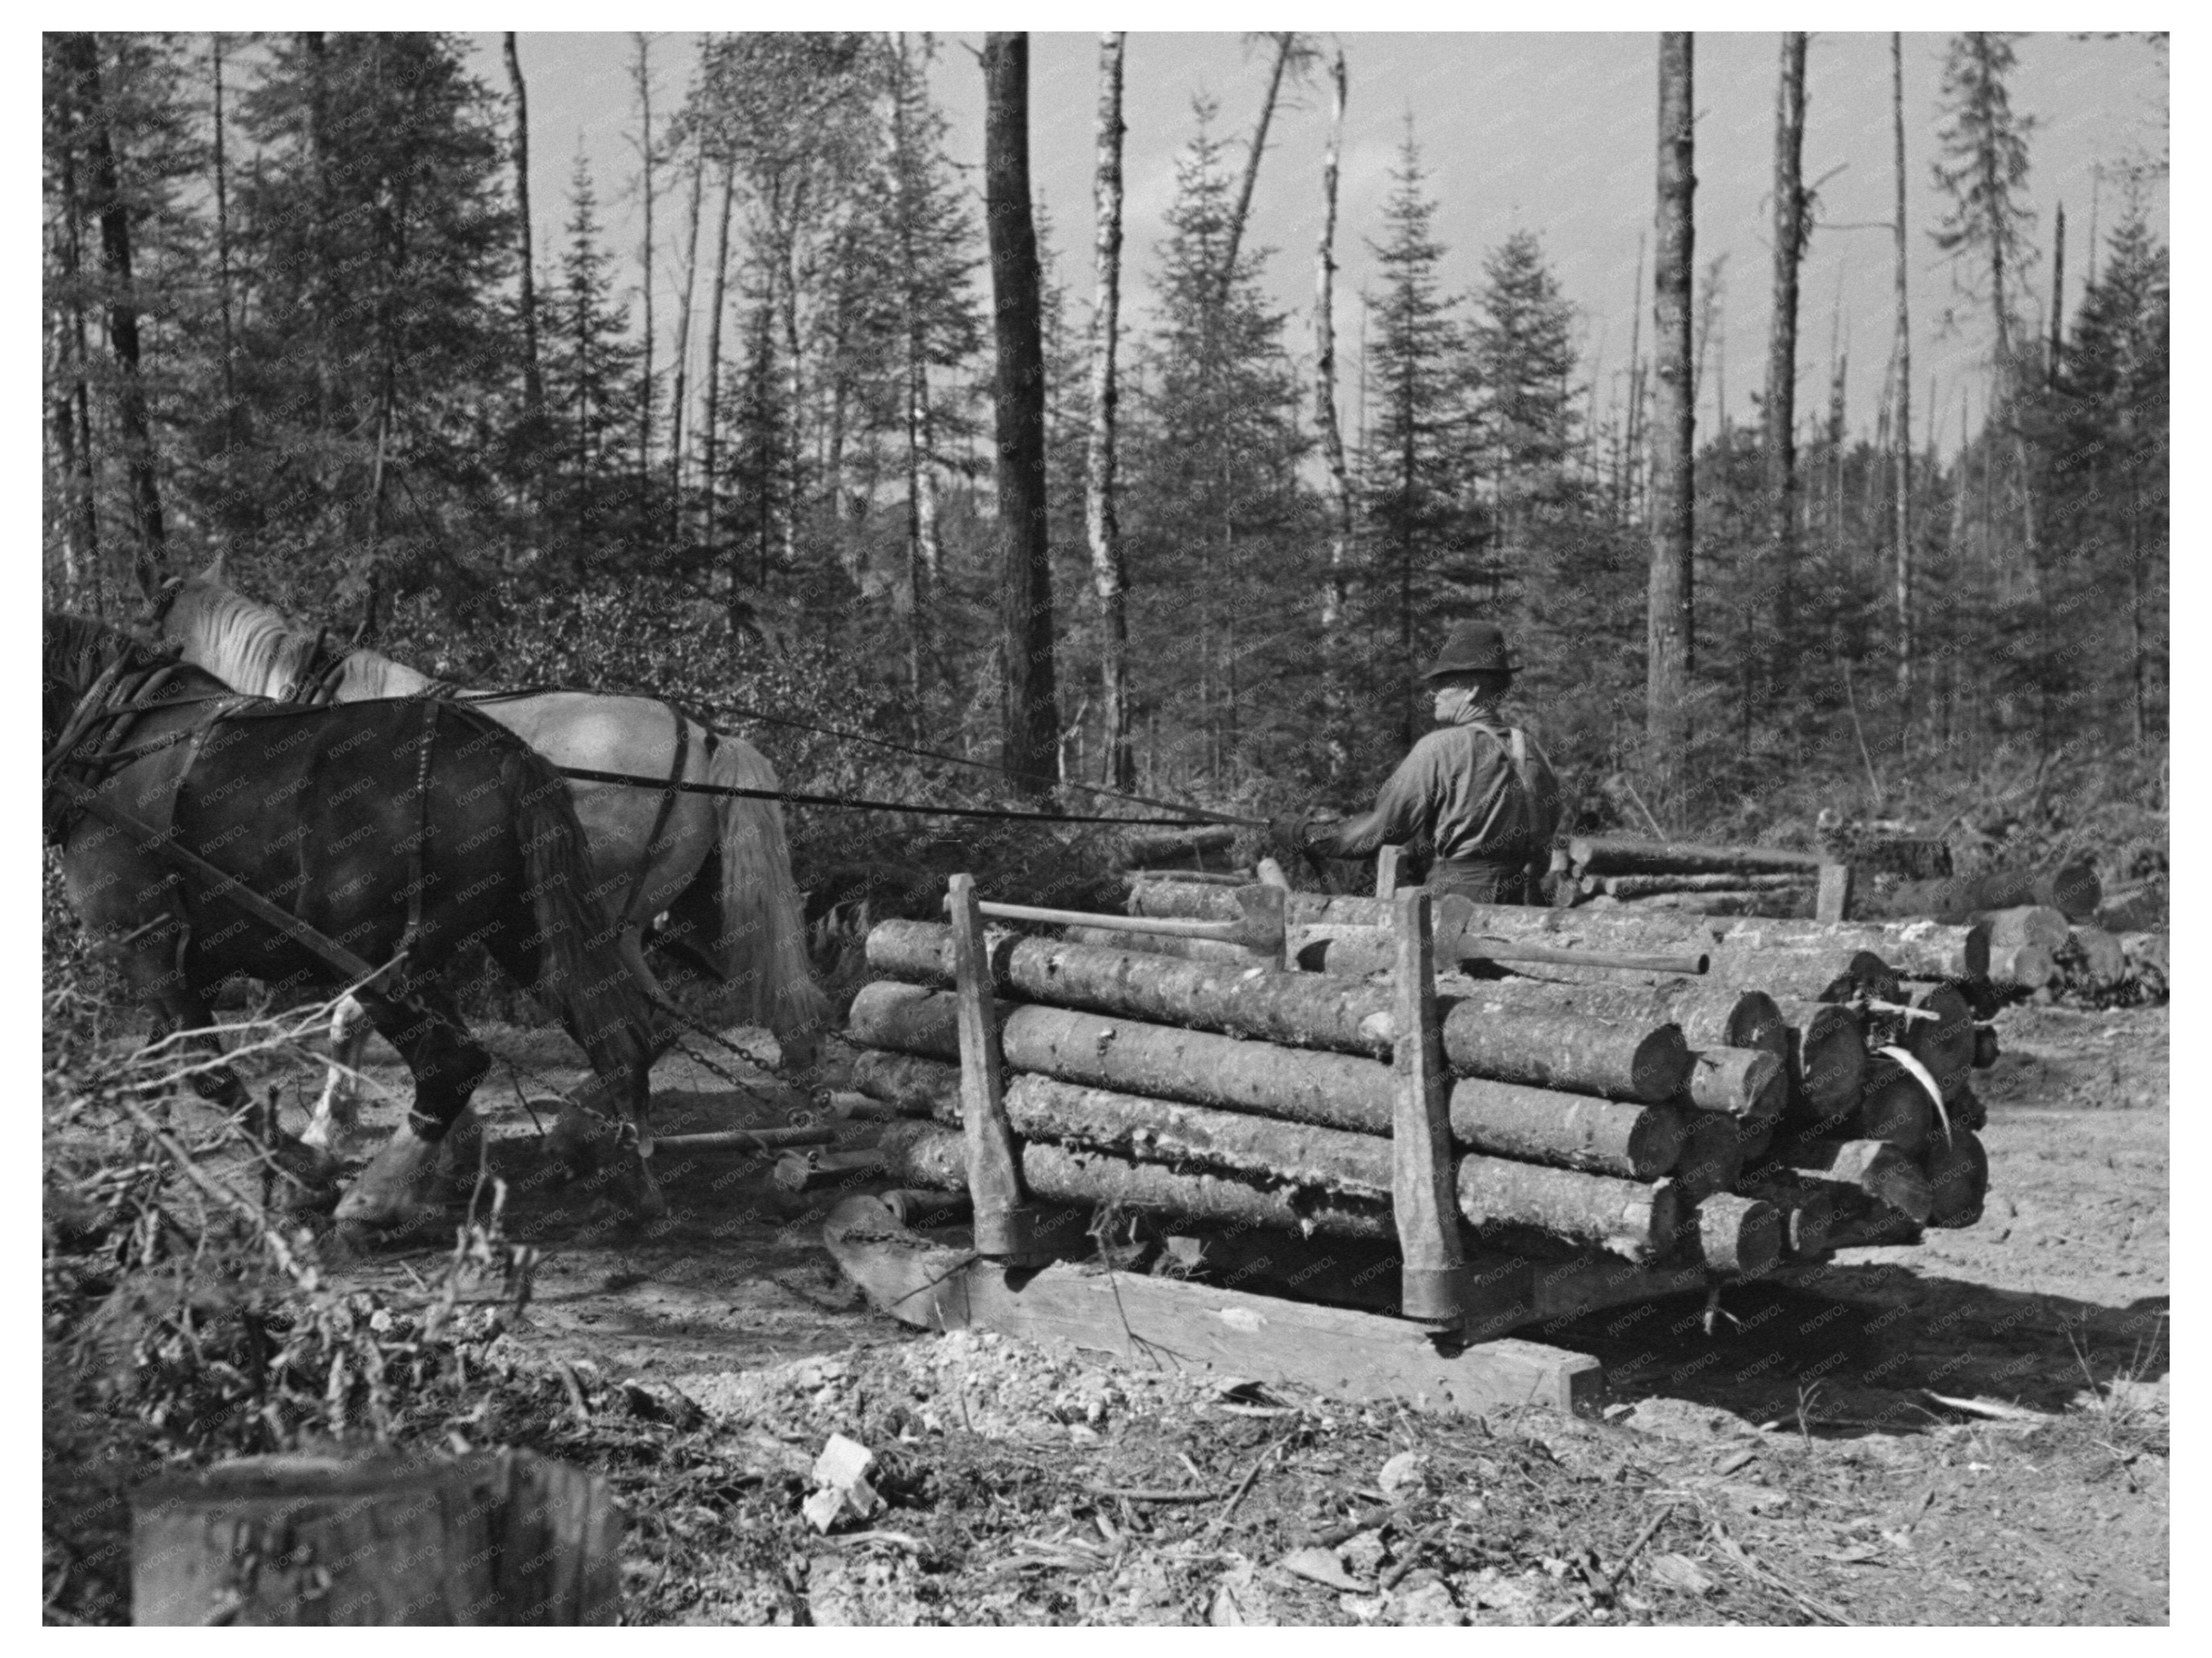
{"points": [[1554, 133]]}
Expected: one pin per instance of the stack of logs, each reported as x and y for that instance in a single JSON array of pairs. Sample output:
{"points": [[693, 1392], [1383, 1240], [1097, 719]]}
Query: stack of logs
{"points": [[1809, 1092], [1674, 875]]}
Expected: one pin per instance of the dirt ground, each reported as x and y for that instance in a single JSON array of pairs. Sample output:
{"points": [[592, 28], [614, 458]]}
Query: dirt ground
{"points": [[1795, 1465]]}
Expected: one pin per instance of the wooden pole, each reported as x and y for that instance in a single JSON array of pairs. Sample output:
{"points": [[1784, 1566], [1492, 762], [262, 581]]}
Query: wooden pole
{"points": [[1430, 1274], [1005, 1225], [1832, 899], [1386, 870]]}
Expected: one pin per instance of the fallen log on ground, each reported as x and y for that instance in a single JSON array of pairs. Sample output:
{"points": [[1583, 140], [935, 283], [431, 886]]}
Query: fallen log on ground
{"points": [[1646, 886], [1784, 904], [1873, 1167], [2026, 924], [906, 1081], [2022, 967], [1187, 949], [1957, 1178], [1807, 1211], [1624, 1218], [2094, 959], [2072, 888], [1551, 1050], [1610, 855], [1148, 847], [1730, 1234]]}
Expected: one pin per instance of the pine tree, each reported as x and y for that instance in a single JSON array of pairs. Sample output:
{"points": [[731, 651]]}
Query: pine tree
{"points": [[1524, 365], [1422, 534], [1213, 514], [591, 370]]}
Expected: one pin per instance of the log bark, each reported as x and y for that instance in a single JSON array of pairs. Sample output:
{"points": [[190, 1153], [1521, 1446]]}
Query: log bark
{"points": [[1606, 855], [1670, 636], [1828, 1056], [1707, 1019], [2072, 888], [1621, 1061], [1808, 1212], [1958, 1179], [1646, 886], [505, 1539], [1895, 1107], [1873, 1167], [1331, 1090], [2026, 924], [1729, 1233], [2023, 967], [907, 1081], [1155, 847], [1185, 949], [1624, 1218], [1101, 527], [2095, 958], [1712, 1157], [925, 1154]]}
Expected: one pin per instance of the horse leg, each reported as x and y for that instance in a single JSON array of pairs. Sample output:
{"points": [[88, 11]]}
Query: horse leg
{"points": [[396, 1188], [620, 1089], [336, 1125]]}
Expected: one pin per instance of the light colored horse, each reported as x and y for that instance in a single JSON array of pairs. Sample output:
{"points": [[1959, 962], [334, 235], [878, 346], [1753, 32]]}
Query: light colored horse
{"points": [[714, 870]]}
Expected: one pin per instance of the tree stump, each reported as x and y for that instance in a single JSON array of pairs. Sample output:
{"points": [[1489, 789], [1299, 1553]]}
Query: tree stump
{"points": [[494, 1538]]}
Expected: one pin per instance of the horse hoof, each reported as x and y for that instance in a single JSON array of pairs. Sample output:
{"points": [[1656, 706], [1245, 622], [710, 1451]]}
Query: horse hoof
{"points": [[574, 1139]]}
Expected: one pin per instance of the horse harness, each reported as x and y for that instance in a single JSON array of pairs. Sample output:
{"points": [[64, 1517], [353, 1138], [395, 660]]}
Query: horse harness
{"points": [[89, 749]]}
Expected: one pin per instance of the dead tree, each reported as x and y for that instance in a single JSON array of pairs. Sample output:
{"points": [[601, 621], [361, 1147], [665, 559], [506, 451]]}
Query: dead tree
{"points": [[1100, 523], [1030, 719], [1781, 410], [1904, 433], [1335, 596], [1671, 610]]}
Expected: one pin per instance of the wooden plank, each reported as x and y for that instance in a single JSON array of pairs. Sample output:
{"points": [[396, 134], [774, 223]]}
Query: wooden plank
{"points": [[1156, 1321], [1003, 1223], [1423, 1201]]}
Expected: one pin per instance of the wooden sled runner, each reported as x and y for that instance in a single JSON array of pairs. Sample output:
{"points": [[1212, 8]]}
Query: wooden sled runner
{"points": [[1168, 1323]]}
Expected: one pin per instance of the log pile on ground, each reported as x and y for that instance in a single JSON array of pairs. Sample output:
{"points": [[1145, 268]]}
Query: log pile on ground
{"points": [[1809, 1092]]}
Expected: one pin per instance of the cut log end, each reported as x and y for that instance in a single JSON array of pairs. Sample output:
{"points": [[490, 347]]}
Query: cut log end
{"points": [[1732, 1233]]}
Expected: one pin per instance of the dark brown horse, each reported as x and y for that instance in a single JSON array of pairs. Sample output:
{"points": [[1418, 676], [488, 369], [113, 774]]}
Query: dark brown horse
{"points": [[387, 835]]}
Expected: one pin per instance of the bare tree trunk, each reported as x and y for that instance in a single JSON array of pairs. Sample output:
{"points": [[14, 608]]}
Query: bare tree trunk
{"points": [[1286, 43], [684, 349], [1336, 597], [710, 415], [1903, 530], [1098, 517], [786, 274], [2057, 300], [1781, 406], [534, 383], [1633, 439], [1670, 621], [72, 388], [1030, 717], [642, 75], [223, 241], [82, 52]]}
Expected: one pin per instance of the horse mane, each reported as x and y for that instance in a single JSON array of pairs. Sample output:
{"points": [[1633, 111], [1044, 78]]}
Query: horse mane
{"points": [[77, 646], [252, 648]]}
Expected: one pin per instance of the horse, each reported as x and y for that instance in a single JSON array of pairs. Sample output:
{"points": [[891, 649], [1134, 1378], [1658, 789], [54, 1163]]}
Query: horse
{"points": [[715, 869], [204, 834]]}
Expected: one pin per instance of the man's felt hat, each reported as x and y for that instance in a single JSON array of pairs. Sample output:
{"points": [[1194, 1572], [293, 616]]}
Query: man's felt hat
{"points": [[1472, 647]]}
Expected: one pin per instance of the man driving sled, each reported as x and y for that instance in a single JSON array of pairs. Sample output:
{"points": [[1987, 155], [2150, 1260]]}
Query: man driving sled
{"points": [[1480, 790]]}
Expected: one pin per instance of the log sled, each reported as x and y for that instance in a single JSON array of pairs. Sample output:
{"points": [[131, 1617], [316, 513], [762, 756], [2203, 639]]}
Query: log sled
{"points": [[1377, 1185]]}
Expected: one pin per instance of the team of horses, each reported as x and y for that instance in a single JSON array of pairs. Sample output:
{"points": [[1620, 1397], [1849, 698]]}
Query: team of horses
{"points": [[250, 802]]}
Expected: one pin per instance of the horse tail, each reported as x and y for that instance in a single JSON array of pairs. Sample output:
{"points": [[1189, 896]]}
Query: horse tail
{"points": [[579, 970], [764, 928]]}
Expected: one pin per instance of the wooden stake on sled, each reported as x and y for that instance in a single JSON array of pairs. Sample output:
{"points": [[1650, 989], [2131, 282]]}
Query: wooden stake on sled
{"points": [[1262, 927]]}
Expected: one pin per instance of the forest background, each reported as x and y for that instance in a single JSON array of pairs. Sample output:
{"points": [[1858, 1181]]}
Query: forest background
{"points": [[714, 419]]}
